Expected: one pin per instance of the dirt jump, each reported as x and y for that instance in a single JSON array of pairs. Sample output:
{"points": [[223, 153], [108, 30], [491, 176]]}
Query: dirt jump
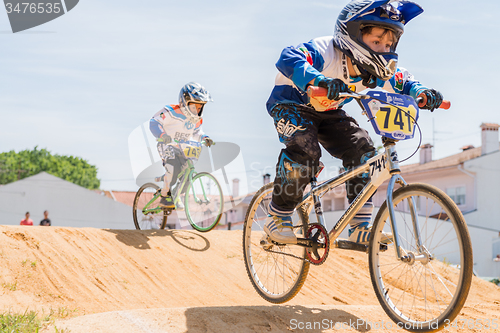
{"points": [[130, 281]]}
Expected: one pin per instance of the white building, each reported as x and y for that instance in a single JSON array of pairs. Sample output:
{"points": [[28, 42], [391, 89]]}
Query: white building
{"points": [[69, 205]]}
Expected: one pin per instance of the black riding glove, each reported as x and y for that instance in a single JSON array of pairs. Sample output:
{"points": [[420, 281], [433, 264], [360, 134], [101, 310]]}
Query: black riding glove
{"points": [[164, 138], [334, 86], [208, 142], [433, 99]]}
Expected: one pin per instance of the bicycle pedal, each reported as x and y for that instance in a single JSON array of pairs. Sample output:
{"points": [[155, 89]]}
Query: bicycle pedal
{"points": [[265, 242], [347, 245], [168, 211]]}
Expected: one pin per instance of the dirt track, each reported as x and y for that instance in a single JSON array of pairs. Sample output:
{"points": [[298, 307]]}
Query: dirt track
{"points": [[184, 281]]}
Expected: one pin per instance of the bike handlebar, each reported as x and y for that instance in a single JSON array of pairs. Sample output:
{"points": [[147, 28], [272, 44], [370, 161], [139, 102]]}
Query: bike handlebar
{"points": [[422, 100], [178, 142], [323, 92]]}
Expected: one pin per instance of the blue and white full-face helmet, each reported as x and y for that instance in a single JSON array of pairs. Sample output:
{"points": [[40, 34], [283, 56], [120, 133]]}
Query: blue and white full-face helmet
{"points": [[193, 93], [358, 14]]}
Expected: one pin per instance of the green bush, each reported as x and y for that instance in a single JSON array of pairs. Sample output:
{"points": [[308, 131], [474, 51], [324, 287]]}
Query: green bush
{"points": [[15, 166]]}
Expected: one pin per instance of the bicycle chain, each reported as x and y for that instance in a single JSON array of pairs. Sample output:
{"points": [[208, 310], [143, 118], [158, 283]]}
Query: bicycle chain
{"points": [[289, 254]]}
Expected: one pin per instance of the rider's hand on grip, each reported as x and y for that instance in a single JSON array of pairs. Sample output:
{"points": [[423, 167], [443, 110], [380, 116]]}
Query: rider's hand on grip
{"points": [[334, 87], [208, 142], [164, 138], [431, 99]]}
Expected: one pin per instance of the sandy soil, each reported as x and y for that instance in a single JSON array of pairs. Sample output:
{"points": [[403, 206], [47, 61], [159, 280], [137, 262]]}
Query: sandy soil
{"points": [[182, 281]]}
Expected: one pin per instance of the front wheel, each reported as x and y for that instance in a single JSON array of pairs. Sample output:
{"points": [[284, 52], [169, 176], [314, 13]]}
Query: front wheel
{"points": [[427, 288], [146, 213], [204, 202], [277, 272]]}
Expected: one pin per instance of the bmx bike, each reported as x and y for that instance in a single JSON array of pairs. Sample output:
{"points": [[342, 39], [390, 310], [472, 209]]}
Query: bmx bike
{"points": [[203, 196], [412, 274]]}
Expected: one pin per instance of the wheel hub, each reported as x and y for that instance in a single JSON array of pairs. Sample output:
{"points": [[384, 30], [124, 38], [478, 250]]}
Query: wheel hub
{"points": [[411, 258]]}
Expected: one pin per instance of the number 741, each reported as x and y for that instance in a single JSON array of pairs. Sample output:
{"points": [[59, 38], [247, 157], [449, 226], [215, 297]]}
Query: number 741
{"points": [[398, 118]]}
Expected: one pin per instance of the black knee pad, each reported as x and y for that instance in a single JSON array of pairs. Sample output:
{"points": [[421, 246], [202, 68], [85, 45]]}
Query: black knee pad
{"points": [[291, 179]]}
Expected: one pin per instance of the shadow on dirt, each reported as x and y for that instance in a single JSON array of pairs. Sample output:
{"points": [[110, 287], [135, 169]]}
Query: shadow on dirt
{"points": [[139, 239], [293, 318]]}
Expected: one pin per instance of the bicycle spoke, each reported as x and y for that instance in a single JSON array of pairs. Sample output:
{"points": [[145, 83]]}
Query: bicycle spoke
{"points": [[276, 273], [441, 280], [420, 289], [436, 293], [203, 202], [146, 213]]}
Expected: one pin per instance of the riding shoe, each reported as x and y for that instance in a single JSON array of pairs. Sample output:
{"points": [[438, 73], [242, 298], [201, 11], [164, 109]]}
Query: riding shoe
{"points": [[280, 229], [361, 235], [166, 202]]}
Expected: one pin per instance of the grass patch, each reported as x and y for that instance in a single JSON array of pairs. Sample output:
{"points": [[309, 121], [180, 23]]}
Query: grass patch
{"points": [[27, 322], [31, 321], [10, 286], [32, 263], [63, 312]]}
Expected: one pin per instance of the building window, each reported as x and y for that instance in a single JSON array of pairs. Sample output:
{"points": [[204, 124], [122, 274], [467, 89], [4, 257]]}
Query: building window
{"points": [[338, 204], [457, 194]]}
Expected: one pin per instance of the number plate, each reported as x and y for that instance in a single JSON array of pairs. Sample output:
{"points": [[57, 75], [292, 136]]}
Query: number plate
{"points": [[192, 149], [192, 152], [396, 122]]}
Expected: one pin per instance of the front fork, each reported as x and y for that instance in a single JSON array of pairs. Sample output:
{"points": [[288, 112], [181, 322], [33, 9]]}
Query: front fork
{"points": [[203, 199], [423, 254]]}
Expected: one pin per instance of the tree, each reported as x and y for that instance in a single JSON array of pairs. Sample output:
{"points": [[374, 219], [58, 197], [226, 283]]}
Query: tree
{"points": [[15, 166]]}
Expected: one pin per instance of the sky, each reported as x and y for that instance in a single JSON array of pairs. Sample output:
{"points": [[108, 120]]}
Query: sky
{"points": [[80, 84]]}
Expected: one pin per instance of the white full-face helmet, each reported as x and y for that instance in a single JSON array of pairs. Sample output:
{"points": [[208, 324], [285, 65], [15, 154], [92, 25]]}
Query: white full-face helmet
{"points": [[359, 14], [193, 93]]}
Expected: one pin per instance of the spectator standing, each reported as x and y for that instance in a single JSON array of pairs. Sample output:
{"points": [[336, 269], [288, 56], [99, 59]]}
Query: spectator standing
{"points": [[46, 220], [27, 220]]}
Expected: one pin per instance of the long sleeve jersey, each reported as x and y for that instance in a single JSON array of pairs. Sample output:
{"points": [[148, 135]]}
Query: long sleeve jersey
{"points": [[172, 122], [299, 65]]}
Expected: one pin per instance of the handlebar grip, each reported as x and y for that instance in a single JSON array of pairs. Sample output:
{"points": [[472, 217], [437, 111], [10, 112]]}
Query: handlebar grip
{"points": [[203, 142], [422, 100], [313, 91], [445, 105]]}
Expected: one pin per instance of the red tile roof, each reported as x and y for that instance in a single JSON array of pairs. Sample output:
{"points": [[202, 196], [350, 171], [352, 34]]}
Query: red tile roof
{"points": [[448, 161], [125, 197]]}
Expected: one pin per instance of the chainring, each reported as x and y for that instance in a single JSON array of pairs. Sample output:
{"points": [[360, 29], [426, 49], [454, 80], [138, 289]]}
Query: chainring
{"points": [[318, 252]]}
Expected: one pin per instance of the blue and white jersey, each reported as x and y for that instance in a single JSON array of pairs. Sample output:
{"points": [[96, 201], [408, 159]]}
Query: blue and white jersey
{"points": [[299, 65], [171, 121]]}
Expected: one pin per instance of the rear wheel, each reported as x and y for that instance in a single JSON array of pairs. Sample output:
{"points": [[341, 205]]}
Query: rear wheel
{"points": [[277, 272], [428, 287], [204, 202], [146, 213]]}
